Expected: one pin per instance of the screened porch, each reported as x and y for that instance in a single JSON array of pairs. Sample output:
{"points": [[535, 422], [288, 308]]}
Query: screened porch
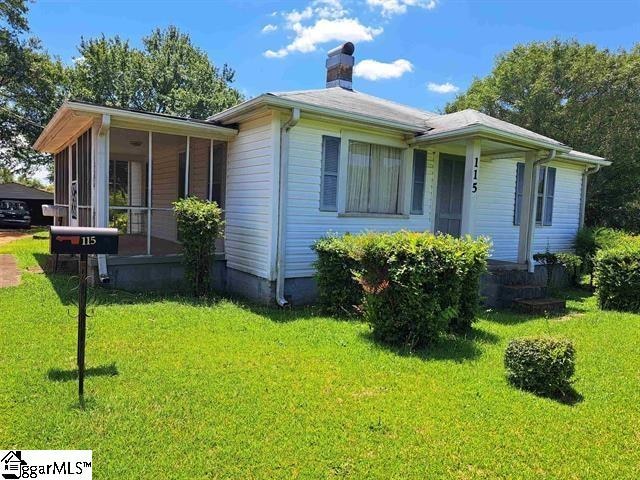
{"points": [[142, 173]]}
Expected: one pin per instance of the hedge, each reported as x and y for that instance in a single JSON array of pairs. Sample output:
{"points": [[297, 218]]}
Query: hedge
{"points": [[339, 293], [589, 241], [617, 272], [412, 286], [542, 365]]}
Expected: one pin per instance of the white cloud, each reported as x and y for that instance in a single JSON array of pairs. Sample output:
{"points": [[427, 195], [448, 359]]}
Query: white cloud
{"points": [[322, 21], [374, 70], [322, 31], [442, 87], [269, 27], [389, 8]]}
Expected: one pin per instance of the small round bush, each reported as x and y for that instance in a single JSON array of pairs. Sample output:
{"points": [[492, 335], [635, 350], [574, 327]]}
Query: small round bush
{"points": [[543, 365]]}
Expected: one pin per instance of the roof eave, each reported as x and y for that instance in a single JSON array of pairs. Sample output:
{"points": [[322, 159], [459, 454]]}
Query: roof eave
{"points": [[489, 132], [126, 119]]}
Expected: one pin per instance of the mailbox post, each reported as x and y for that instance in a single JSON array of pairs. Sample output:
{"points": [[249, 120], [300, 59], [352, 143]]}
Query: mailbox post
{"points": [[83, 241]]}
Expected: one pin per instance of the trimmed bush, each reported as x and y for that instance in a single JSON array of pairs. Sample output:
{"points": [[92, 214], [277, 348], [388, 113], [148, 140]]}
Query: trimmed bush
{"points": [[617, 272], [413, 286], [339, 293], [543, 365], [199, 224]]}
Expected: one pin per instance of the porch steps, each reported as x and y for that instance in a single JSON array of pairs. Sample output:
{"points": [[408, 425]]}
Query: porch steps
{"points": [[509, 293], [540, 306]]}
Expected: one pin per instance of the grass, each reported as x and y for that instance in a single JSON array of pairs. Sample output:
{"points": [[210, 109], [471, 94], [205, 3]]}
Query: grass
{"points": [[178, 388]]}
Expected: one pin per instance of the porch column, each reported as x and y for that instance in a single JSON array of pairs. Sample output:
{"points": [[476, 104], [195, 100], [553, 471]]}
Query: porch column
{"points": [[528, 207], [470, 192], [102, 172]]}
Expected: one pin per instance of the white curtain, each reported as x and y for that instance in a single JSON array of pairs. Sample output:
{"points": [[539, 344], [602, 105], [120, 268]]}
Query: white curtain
{"points": [[358, 177], [373, 178], [385, 176]]}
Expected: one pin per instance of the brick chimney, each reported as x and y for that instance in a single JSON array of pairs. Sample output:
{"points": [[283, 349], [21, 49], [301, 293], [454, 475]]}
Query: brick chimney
{"points": [[340, 66]]}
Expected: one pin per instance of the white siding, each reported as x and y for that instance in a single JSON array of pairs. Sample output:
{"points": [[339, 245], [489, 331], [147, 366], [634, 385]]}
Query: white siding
{"points": [[250, 197], [305, 221], [496, 200]]}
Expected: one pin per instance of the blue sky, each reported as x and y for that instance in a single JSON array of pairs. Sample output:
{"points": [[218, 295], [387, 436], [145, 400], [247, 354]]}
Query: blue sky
{"points": [[412, 51]]}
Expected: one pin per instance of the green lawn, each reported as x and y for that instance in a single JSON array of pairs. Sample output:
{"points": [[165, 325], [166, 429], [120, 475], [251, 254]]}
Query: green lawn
{"points": [[181, 389]]}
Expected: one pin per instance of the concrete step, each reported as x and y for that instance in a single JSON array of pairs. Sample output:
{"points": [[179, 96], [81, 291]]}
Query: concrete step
{"points": [[509, 293], [540, 306]]}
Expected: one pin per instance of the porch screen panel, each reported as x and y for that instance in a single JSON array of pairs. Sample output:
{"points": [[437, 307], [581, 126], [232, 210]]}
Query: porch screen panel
{"points": [[84, 179], [199, 167], [61, 180], [219, 174], [167, 183]]}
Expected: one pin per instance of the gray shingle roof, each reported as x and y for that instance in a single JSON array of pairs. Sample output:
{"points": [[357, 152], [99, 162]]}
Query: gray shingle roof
{"points": [[17, 191], [357, 102], [469, 117]]}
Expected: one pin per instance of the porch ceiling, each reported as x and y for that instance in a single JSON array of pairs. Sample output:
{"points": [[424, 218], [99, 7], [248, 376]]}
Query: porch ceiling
{"points": [[488, 147]]}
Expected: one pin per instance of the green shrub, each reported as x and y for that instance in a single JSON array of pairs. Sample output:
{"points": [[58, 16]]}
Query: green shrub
{"points": [[573, 264], [199, 224], [617, 272], [542, 365], [413, 286], [591, 240], [339, 292], [569, 261]]}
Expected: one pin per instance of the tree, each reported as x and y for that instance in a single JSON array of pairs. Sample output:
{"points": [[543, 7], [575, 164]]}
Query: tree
{"points": [[31, 88], [583, 96], [169, 75]]}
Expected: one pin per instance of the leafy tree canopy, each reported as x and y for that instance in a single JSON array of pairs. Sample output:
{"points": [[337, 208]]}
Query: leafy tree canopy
{"points": [[583, 96], [168, 75], [31, 87]]}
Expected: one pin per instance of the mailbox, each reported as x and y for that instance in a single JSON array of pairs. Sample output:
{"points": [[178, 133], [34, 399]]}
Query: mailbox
{"points": [[84, 240]]}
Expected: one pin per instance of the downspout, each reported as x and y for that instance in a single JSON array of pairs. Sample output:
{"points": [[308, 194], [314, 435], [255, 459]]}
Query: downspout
{"points": [[100, 170], [583, 196], [282, 204], [532, 208]]}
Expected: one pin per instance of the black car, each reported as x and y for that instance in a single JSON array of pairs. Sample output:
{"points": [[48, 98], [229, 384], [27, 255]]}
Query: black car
{"points": [[14, 213]]}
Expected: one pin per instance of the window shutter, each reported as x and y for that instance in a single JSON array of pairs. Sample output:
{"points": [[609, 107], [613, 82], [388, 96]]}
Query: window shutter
{"points": [[329, 181], [549, 193], [419, 173], [519, 193]]}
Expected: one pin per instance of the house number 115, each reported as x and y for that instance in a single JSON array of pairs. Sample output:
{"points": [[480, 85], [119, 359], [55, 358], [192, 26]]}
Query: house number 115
{"points": [[474, 187]]}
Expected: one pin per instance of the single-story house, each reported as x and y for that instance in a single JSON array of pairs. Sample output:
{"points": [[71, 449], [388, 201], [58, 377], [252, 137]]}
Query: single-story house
{"points": [[288, 167], [33, 197]]}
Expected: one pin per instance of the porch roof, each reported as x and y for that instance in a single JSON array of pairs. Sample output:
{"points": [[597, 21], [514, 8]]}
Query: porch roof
{"points": [[74, 117]]}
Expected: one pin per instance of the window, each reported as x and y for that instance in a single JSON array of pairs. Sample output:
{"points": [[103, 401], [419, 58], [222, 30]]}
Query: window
{"points": [[545, 190], [182, 173], [373, 178], [419, 171], [329, 180]]}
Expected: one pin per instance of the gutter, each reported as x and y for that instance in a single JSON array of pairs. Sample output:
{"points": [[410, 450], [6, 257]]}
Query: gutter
{"points": [[583, 195], [532, 208], [282, 204]]}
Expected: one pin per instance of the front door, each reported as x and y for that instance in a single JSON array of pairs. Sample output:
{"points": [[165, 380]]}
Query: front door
{"points": [[450, 188]]}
